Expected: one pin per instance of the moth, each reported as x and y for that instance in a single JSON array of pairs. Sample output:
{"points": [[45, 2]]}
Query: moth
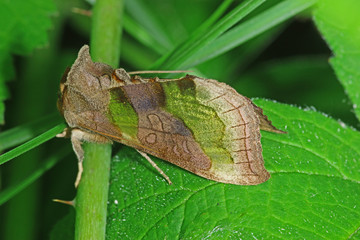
{"points": [[201, 125]]}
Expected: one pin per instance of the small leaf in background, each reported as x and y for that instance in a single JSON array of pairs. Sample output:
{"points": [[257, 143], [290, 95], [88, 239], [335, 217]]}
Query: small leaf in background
{"points": [[313, 192], [338, 22], [24, 27]]}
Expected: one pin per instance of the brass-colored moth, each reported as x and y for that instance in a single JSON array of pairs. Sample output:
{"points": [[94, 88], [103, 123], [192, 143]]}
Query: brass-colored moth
{"points": [[201, 125]]}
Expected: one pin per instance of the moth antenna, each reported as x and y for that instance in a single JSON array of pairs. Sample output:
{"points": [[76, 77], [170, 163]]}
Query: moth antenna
{"points": [[155, 166], [71, 203], [159, 71], [80, 11]]}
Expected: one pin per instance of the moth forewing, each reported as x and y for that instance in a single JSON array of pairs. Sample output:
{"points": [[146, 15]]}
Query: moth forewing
{"points": [[201, 125]]}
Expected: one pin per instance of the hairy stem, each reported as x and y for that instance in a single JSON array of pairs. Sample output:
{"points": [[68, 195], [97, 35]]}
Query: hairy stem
{"points": [[91, 199]]}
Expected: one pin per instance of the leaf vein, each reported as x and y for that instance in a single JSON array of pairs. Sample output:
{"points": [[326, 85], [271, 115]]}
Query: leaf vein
{"points": [[313, 152]]}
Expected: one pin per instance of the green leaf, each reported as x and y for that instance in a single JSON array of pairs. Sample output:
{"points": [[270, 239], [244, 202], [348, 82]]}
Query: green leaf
{"points": [[24, 27], [338, 22], [25, 35], [313, 191]]}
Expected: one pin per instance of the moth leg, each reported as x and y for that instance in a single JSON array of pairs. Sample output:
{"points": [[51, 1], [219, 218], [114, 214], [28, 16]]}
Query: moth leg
{"points": [[77, 138], [76, 141], [155, 166], [65, 133]]}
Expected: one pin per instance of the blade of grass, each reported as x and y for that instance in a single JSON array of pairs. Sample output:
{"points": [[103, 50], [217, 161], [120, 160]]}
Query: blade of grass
{"points": [[249, 29], [139, 11], [198, 33], [251, 50], [46, 165], [211, 20], [17, 135], [32, 143], [138, 32], [141, 33], [194, 44], [136, 55]]}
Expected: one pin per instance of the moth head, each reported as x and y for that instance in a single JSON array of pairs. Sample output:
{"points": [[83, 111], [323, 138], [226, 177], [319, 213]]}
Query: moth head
{"points": [[85, 74]]}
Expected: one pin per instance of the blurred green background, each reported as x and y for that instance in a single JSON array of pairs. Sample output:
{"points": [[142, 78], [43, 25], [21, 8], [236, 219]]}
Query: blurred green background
{"points": [[288, 63]]}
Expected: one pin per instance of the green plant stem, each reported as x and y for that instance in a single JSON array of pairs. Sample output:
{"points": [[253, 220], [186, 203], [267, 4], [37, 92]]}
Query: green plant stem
{"points": [[106, 31], [92, 195]]}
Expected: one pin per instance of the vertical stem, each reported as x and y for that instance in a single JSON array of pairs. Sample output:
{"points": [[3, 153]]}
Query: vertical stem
{"points": [[92, 195], [91, 198], [106, 31]]}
